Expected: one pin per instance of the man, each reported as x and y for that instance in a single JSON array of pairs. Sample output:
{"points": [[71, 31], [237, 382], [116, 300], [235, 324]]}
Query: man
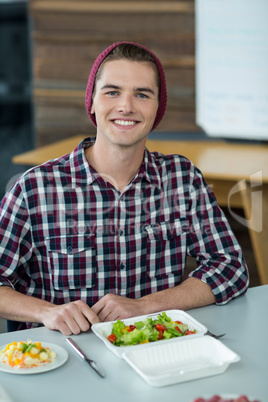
{"points": [[103, 233]]}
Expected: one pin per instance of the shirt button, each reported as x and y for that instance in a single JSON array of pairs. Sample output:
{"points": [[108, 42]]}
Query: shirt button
{"points": [[121, 232], [69, 249], [122, 266]]}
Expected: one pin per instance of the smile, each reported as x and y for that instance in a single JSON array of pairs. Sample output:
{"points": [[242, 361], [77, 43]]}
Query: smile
{"points": [[125, 122]]}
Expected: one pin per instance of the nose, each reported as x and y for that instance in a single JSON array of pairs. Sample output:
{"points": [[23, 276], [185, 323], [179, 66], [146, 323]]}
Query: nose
{"points": [[126, 104]]}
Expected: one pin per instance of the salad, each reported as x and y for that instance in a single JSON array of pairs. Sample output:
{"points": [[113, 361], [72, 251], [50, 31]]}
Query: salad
{"points": [[26, 354], [146, 331]]}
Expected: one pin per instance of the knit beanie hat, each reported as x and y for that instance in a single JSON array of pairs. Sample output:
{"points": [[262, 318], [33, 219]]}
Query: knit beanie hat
{"points": [[91, 80]]}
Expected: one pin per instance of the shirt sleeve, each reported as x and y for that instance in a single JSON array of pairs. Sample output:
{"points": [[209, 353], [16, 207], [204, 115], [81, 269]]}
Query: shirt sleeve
{"points": [[15, 237], [211, 241]]}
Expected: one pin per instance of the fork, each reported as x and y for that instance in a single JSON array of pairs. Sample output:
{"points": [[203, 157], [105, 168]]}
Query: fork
{"points": [[213, 335]]}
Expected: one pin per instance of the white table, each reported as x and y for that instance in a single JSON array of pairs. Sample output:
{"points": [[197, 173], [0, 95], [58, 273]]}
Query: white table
{"points": [[244, 320]]}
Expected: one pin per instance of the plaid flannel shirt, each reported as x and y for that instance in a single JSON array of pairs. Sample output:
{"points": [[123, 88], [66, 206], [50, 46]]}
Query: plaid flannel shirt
{"points": [[67, 234]]}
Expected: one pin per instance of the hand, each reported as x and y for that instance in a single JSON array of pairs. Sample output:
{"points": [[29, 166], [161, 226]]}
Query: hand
{"points": [[113, 307], [70, 318]]}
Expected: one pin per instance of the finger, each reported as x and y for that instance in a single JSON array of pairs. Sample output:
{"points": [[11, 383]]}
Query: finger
{"points": [[108, 307], [90, 315], [102, 311], [69, 324], [97, 307], [79, 317], [111, 317], [64, 329], [106, 315], [59, 323], [82, 323]]}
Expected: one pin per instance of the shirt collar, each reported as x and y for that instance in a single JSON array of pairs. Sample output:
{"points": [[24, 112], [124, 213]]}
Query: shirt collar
{"points": [[83, 175], [149, 169]]}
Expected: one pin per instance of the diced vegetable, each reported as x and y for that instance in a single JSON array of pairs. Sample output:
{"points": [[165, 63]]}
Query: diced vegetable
{"points": [[112, 338], [26, 354]]}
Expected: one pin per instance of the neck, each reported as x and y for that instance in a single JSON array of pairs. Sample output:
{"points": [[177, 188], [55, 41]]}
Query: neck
{"points": [[116, 165]]}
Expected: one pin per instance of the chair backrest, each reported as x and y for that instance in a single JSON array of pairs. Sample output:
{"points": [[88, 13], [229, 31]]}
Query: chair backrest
{"points": [[12, 325]]}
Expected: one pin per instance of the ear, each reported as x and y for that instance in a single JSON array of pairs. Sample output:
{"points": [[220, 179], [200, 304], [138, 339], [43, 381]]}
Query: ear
{"points": [[92, 110]]}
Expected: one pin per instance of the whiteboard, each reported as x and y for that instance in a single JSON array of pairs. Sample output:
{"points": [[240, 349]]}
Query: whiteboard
{"points": [[232, 68]]}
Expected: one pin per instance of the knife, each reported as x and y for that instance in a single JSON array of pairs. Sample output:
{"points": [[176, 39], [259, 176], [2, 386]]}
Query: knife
{"points": [[96, 367]]}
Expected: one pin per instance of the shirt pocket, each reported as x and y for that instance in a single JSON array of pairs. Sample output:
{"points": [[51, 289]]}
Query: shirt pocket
{"points": [[166, 248], [72, 261]]}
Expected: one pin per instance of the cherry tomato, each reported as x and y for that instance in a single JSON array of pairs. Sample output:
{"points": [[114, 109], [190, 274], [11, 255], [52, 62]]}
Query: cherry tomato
{"points": [[178, 329], [112, 338], [160, 335], [189, 332], [160, 327], [131, 328], [178, 322], [215, 398]]}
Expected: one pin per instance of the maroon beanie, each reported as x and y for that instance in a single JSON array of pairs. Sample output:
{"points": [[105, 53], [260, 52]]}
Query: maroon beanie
{"points": [[91, 80]]}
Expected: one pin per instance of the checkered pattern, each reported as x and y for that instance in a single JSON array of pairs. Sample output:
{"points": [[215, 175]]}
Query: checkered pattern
{"points": [[67, 234]]}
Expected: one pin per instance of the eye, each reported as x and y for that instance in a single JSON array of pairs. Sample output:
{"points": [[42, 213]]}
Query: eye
{"points": [[112, 93], [142, 96]]}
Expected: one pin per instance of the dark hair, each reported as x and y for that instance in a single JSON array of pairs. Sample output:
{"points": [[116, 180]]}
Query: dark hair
{"points": [[129, 52]]}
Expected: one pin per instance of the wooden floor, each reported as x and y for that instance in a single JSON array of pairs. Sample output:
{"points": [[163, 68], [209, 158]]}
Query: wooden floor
{"points": [[243, 238]]}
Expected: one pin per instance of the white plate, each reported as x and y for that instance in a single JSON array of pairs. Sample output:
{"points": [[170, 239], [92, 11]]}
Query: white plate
{"points": [[103, 329], [162, 364], [61, 357]]}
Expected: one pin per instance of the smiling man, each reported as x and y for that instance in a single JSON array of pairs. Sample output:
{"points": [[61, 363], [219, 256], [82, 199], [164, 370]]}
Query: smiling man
{"points": [[125, 104], [103, 233]]}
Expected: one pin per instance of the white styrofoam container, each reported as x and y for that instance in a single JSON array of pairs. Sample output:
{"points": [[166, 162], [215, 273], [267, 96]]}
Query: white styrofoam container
{"points": [[103, 329], [161, 364]]}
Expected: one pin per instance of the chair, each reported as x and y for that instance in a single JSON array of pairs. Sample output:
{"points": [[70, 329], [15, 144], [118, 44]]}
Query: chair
{"points": [[12, 325]]}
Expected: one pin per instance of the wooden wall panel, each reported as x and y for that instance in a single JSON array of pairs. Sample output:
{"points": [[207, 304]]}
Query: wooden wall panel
{"points": [[68, 35], [71, 58]]}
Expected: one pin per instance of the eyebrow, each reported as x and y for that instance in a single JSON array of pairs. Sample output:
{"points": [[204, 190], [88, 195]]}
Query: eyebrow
{"points": [[112, 86]]}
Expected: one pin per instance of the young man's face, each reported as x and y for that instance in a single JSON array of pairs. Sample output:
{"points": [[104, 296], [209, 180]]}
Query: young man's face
{"points": [[125, 102]]}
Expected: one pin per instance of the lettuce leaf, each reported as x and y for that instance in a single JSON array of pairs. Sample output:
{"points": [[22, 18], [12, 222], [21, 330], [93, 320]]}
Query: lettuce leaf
{"points": [[117, 328]]}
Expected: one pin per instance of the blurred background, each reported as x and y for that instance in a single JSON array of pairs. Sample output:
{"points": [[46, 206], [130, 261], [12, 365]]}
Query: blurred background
{"points": [[16, 129], [46, 52]]}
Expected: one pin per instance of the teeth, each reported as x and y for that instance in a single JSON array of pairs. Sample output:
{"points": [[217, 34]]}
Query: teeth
{"points": [[125, 122]]}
